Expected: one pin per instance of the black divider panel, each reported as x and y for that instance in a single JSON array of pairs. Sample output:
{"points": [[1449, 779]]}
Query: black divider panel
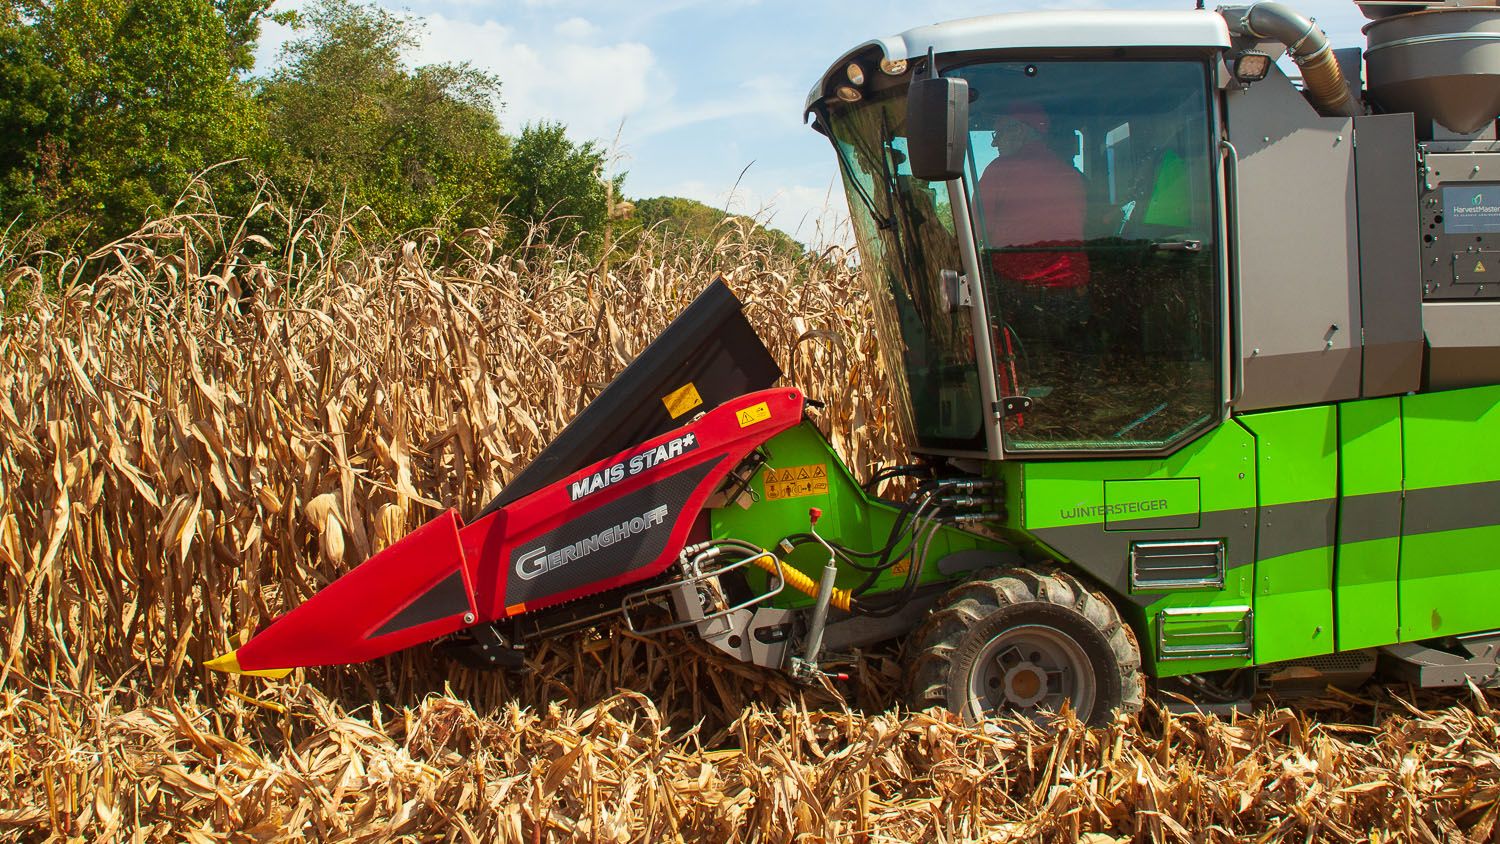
{"points": [[709, 345]]}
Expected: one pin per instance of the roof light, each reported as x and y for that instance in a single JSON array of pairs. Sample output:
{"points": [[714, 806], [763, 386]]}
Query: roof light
{"points": [[848, 93], [893, 67], [855, 73], [1251, 67]]}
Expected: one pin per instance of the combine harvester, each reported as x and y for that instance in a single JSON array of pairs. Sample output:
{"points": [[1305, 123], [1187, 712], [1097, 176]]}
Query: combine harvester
{"points": [[1201, 368]]}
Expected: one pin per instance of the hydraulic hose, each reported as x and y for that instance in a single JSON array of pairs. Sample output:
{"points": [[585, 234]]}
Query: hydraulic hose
{"points": [[794, 578]]}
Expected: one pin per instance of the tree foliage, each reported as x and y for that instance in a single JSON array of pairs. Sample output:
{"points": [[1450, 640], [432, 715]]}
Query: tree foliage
{"points": [[691, 219], [352, 123], [108, 107], [112, 104], [555, 180]]}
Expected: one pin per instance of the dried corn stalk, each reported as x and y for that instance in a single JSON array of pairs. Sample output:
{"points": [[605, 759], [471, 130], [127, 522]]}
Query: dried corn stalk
{"points": [[204, 428]]}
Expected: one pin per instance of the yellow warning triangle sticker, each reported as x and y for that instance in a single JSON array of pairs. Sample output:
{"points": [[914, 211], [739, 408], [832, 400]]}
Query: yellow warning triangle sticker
{"points": [[1479, 267]]}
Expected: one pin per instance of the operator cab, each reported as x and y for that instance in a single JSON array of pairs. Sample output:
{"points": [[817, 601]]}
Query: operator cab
{"points": [[1063, 292]]}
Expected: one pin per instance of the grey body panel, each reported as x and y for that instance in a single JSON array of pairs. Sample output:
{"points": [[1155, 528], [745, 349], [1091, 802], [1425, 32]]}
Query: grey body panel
{"points": [[1463, 341], [1389, 254], [1298, 248], [1106, 555], [1460, 309]]}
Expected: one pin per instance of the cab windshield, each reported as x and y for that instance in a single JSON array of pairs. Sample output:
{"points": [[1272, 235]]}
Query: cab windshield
{"points": [[905, 232], [1091, 185]]}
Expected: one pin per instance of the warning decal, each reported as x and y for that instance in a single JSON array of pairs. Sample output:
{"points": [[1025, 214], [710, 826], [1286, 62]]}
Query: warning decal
{"points": [[682, 399], [796, 481], [752, 414], [1479, 267]]}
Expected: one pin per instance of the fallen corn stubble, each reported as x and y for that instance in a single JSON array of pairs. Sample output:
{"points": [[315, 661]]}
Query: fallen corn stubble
{"points": [[203, 428]]}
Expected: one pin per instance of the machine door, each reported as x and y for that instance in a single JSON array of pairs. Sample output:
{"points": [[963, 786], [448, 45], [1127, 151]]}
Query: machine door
{"points": [[1092, 190], [910, 260]]}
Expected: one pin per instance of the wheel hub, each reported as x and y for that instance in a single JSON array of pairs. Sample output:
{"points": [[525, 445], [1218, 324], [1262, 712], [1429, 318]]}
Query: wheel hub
{"points": [[1025, 685], [1032, 667]]}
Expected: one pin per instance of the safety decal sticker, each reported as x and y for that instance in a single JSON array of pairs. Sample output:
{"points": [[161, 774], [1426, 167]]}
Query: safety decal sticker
{"points": [[796, 482], [753, 414], [682, 399]]}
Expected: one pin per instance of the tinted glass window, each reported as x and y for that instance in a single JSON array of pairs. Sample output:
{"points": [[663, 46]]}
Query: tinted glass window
{"points": [[1091, 184], [904, 228]]}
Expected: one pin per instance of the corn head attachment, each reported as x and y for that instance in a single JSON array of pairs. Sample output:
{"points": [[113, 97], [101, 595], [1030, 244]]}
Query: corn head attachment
{"points": [[687, 495]]}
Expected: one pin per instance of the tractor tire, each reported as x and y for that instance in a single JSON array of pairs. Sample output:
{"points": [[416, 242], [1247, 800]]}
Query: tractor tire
{"points": [[1021, 640]]}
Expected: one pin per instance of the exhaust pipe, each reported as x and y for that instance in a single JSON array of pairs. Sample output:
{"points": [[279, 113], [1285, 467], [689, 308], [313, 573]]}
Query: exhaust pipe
{"points": [[1308, 46]]}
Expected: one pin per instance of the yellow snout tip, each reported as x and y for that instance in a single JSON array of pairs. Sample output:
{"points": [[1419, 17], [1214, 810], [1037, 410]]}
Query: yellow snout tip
{"points": [[230, 664]]}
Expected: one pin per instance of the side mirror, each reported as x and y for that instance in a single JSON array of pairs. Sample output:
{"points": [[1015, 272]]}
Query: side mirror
{"points": [[937, 128]]}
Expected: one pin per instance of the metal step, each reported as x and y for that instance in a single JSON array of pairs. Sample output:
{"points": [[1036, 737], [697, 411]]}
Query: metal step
{"points": [[1314, 674], [1452, 661]]}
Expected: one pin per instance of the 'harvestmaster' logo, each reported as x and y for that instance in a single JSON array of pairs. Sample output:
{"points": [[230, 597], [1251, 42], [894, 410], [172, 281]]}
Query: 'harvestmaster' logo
{"points": [[539, 560]]}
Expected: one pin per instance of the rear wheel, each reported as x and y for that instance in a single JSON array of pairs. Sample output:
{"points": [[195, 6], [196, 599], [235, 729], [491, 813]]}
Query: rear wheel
{"points": [[1023, 641]]}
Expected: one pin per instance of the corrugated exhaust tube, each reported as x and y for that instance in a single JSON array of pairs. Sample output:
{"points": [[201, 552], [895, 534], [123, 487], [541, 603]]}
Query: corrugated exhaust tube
{"points": [[1308, 46]]}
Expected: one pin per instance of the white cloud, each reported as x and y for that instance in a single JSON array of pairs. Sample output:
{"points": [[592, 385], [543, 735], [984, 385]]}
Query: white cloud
{"points": [[591, 88], [771, 97], [576, 28]]}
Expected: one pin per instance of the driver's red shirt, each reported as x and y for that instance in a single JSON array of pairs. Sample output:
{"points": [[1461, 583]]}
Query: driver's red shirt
{"points": [[1035, 199]]}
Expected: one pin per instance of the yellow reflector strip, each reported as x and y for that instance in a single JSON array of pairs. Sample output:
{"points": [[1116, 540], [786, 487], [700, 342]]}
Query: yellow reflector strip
{"points": [[230, 664]]}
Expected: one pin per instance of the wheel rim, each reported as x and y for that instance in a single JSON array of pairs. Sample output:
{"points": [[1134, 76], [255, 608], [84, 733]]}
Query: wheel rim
{"points": [[1029, 668]]}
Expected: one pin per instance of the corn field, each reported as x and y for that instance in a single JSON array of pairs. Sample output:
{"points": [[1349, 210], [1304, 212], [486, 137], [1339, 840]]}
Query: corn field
{"points": [[209, 420]]}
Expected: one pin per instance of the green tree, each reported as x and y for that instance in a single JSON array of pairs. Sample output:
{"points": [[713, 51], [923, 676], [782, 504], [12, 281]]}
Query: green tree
{"points": [[692, 220], [32, 118], [353, 125], [117, 102], [555, 180]]}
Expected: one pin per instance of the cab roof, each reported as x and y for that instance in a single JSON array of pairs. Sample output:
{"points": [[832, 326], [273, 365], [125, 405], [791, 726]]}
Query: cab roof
{"points": [[1060, 29]]}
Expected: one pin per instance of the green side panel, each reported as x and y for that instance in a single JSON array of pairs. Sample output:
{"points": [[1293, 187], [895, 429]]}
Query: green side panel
{"points": [[1369, 547], [801, 472], [1298, 459], [1094, 514], [1450, 546]]}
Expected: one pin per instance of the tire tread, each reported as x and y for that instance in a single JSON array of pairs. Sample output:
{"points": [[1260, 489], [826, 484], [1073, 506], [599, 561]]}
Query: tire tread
{"points": [[937, 643]]}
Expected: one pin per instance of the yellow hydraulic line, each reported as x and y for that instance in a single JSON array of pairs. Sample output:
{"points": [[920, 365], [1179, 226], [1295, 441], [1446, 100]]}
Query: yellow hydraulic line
{"points": [[801, 582]]}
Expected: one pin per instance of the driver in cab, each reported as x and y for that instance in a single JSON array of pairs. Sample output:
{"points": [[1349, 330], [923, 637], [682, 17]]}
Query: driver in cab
{"points": [[1032, 203]]}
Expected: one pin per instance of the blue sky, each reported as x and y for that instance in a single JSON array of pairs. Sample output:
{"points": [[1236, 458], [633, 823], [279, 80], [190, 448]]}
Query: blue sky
{"points": [[704, 95]]}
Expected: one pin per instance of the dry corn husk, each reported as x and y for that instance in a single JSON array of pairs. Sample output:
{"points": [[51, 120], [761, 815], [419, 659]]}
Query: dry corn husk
{"points": [[204, 429]]}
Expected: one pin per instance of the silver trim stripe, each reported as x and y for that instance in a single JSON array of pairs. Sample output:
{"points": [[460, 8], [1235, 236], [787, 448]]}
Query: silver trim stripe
{"points": [[1435, 39]]}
